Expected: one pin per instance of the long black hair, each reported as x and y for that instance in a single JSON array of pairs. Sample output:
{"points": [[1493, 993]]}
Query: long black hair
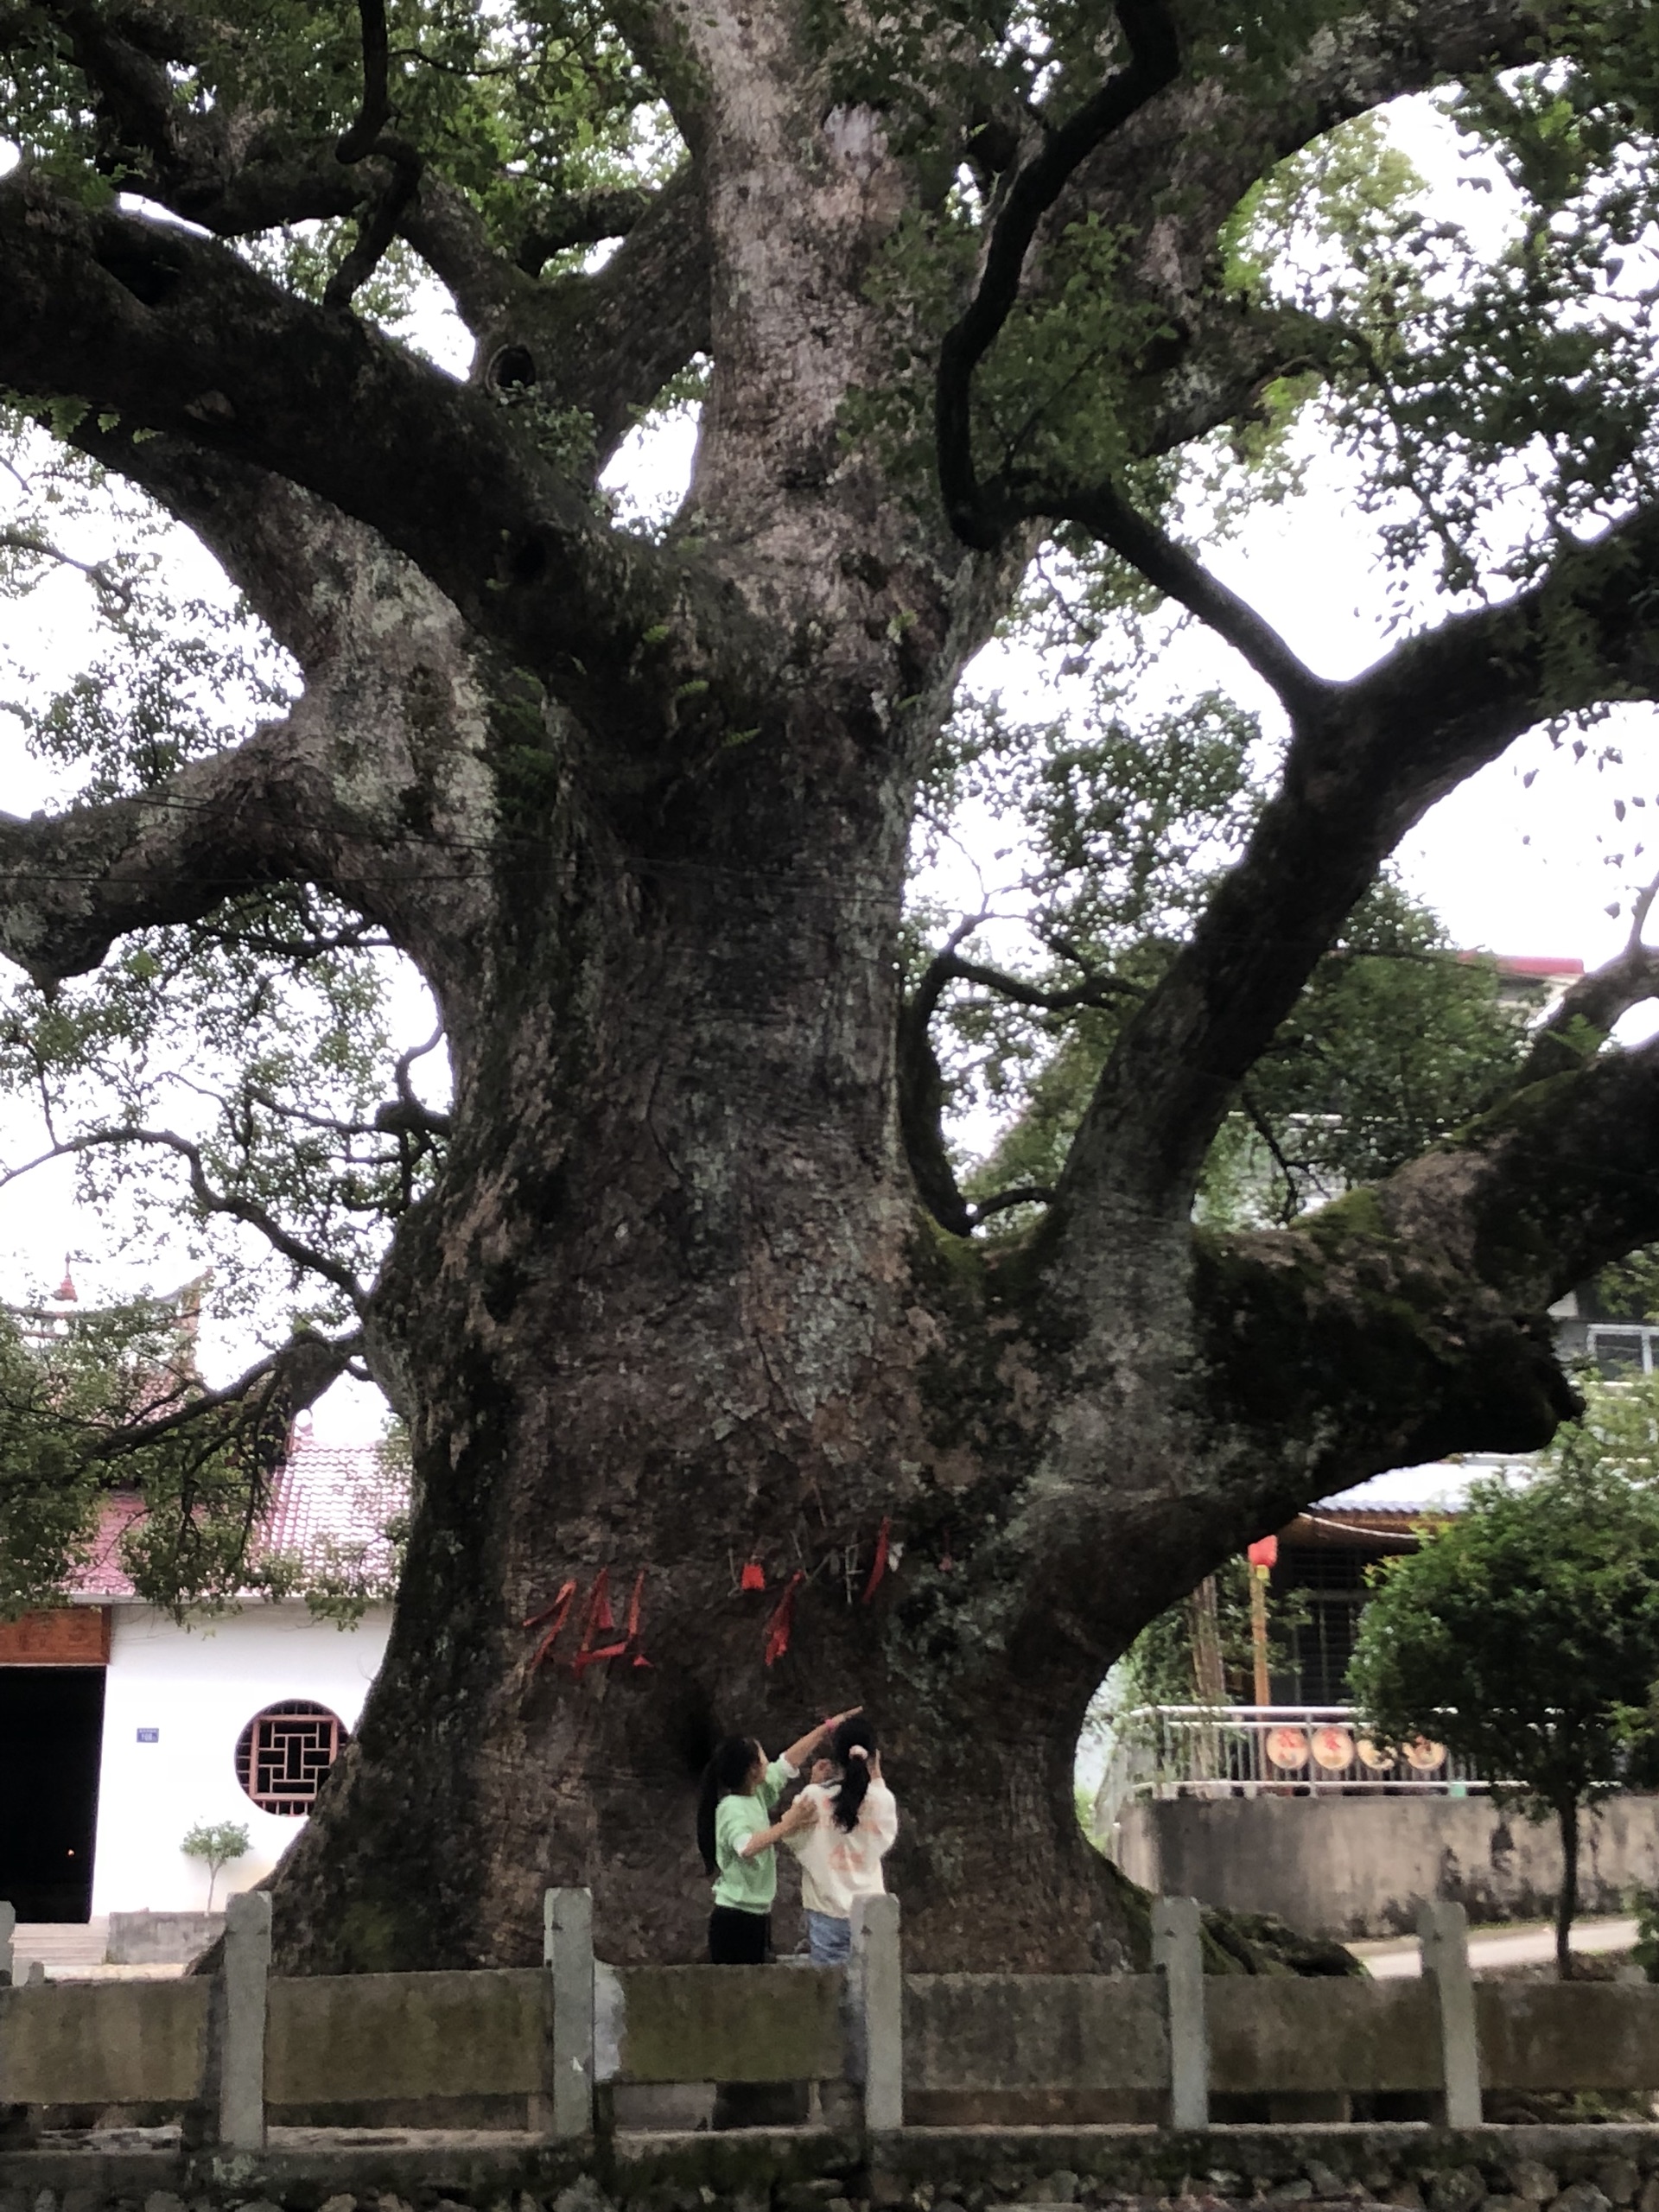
{"points": [[726, 1773], [856, 1734]]}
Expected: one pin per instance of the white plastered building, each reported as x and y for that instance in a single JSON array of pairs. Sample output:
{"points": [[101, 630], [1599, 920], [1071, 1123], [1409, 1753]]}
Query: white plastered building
{"points": [[122, 1728]]}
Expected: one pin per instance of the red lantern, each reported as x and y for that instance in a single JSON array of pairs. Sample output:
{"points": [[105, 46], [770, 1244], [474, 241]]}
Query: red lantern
{"points": [[1264, 1552]]}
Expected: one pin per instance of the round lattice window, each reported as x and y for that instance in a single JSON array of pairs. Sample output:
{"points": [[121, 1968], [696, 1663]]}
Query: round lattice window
{"points": [[283, 1753]]}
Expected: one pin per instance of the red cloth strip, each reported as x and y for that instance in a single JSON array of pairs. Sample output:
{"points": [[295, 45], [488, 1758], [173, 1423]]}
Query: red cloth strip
{"points": [[635, 1604], [561, 1605], [596, 1615], [782, 1620], [556, 1613], [600, 1615], [880, 1565]]}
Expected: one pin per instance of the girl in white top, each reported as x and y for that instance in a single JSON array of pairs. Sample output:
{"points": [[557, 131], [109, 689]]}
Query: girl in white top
{"points": [[840, 1850]]}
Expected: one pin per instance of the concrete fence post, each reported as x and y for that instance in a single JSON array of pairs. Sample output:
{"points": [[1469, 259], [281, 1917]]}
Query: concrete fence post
{"points": [[1178, 1955], [244, 1977], [566, 2111], [1443, 1938], [876, 1981], [8, 1930]]}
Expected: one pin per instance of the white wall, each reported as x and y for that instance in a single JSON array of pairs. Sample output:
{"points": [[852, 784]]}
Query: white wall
{"points": [[201, 1686]]}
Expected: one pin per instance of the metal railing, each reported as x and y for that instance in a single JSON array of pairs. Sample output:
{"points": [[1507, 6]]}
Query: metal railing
{"points": [[1277, 1750]]}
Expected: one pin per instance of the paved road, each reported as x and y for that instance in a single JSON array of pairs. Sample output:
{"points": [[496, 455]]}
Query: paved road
{"points": [[1499, 1946]]}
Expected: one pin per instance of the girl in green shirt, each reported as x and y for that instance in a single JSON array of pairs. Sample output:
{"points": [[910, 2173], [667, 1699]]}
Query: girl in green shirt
{"points": [[738, 1838]]}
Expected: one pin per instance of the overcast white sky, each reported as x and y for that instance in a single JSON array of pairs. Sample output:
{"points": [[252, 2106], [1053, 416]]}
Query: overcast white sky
{"points": [[1514, 868]]}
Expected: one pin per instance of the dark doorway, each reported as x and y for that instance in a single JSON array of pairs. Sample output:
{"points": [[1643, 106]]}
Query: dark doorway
{"points": [[51, 1731]]}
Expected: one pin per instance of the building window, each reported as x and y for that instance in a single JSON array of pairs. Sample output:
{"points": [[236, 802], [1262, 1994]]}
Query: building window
{"points": [[283, 1753], [1624, 1351]]}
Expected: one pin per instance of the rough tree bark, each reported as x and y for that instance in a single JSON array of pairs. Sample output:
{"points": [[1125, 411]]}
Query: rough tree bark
{"points": [[639, 813], [1566, 1901]]}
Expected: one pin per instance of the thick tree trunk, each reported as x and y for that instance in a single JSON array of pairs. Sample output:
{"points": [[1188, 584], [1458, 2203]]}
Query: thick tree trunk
{"points": [[672, 1310]]}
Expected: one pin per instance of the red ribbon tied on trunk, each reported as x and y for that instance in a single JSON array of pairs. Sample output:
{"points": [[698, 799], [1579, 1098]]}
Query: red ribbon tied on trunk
{"points": [[599, 1619], [639, 1658], [880, 1568], [783, 1620], [555, 1613], [602, 1616]]}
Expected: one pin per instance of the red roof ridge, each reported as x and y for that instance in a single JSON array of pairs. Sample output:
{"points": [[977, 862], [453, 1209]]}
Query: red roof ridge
{"points": [[1529, 963]]}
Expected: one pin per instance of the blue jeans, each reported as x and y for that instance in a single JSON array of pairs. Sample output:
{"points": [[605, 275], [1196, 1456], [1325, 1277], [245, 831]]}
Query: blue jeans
{"points": [[828, 1939]]}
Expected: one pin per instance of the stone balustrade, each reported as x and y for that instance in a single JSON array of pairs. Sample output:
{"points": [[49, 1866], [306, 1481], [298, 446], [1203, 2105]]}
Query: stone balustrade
{"points": [[546, 2049]]}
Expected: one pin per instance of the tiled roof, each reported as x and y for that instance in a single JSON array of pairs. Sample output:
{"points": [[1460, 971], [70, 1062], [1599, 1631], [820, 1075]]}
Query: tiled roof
{"points": [[329, 1501], [104, 1576], [1541, 965], [1544, 963], [333, 1497]]}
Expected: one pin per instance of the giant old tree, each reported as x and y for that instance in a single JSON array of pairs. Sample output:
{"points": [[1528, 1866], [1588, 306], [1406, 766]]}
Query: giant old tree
{"points": [[685, 1275]]}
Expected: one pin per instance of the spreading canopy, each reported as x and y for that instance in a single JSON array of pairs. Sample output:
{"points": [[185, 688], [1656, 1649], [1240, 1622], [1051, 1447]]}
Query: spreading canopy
{"points": [[991, 316]]}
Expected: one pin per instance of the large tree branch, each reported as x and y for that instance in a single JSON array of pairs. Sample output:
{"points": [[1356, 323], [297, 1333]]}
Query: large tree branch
{"points": [[1107, 516], [607, 341], [1408, 1320], [582, 218], [303, 566], [265, 1397], [1034, 187], [230, 1205], [1358, 773], [1170, 174], [237, 174], [179, 335], [71, 883], [1588, 1012], [1169, 179], [375, 788], [1405, 1323], [922, 1090]]}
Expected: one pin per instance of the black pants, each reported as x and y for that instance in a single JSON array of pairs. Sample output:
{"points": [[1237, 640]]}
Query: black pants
{"points": [[737, 1938]]}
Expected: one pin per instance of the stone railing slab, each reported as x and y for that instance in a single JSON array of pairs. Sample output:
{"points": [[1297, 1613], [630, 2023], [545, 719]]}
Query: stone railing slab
{"points": [[104, 2044], [1568, 2035], [1041, 2030], [1311, 2036], [359, 2038], [729, 2024]]}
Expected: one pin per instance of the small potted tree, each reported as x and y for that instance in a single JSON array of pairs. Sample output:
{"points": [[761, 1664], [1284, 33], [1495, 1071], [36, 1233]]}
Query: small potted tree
{"points": [[218, 1842]]}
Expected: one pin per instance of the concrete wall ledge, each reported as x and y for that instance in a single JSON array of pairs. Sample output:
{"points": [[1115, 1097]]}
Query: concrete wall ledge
{"points": [[144, 1939], [1365, 1865]]}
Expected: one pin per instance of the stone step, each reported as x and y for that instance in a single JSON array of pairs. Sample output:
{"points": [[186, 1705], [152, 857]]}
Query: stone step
{"points": [[60, 1943]]}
